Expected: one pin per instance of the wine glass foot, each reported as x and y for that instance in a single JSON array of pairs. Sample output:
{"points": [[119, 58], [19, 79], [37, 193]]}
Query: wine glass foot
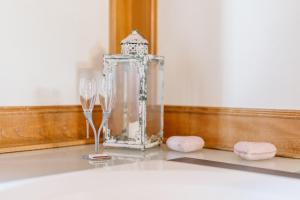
{"points": [[99, 156]]}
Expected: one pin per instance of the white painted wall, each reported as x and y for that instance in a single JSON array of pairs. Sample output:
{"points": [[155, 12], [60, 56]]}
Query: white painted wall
{"points": [[43, 43], [231, 53]]}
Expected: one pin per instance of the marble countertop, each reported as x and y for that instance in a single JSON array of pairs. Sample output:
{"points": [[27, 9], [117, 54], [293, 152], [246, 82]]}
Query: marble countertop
{"points": [[23, 165]]}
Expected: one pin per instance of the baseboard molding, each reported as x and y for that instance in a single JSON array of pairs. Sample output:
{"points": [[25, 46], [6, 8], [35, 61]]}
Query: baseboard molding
{"points": [[221, 128], [31, 128], [52, 144]]}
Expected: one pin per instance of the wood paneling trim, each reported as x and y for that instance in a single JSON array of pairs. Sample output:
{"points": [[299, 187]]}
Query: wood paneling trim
{"points": [[221, 128], [127, 15], [29, 128], [235, 111], [39, 127], [30, 147]]}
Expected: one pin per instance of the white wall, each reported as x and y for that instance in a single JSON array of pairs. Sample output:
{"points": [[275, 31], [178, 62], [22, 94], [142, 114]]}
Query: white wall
{"points": [[44, 43], [231, 53]]}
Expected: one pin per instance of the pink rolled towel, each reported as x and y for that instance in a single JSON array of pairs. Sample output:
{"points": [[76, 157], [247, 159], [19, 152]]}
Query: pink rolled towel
{"points": [[255, 150]]}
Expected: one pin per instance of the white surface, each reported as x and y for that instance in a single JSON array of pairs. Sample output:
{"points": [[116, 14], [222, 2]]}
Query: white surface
{"points": [[43, 43], [62, 160], [133, 174], [170, 180], [231, 53]]}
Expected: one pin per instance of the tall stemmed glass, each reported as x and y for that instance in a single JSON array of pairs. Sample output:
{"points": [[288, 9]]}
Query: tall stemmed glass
{"points": [[105, 88], [89, 87], [88, 95]]}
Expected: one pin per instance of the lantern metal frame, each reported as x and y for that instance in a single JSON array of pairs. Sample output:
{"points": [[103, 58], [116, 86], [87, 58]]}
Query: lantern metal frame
{"points": [[135, 51]]}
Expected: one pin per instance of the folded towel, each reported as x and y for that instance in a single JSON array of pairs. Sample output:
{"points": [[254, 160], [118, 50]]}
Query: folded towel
{"points": [[255, 150], [185, 143]]}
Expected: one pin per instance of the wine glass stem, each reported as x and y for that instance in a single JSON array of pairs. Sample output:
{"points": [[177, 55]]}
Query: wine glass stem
{"points": [[104, 120], [87, 129], [89, 117]]}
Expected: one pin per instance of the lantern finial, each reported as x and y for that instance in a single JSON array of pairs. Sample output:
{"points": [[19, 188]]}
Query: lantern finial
{"points": [[134, 44]]}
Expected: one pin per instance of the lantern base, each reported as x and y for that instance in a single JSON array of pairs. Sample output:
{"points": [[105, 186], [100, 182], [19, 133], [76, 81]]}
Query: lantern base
{"points": [[133, 146]]}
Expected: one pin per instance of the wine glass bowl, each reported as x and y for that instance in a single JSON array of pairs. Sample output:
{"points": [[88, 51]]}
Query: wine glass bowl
{"points": [[106, 93], [88, 93]]}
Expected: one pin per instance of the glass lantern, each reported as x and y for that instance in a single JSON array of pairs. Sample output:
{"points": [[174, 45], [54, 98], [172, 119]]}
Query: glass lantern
{"points": [[136, 119]]}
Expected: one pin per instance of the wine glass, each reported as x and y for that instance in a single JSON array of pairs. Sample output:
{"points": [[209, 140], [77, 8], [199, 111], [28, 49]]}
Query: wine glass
{"points": [[105, 92], [88, 95], [88, 89]]}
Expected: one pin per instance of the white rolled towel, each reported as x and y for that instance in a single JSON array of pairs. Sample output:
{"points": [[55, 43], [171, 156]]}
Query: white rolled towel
{"points": [[255, 150], [185, 143]]}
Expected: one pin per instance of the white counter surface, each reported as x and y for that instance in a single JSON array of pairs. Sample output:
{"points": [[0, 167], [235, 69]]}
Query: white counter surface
{"points": [[23, 165]]}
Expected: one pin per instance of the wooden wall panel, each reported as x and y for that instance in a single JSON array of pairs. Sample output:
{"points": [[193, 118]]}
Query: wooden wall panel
{"points": [[221, 128], [29, 128], [127, 15]]}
